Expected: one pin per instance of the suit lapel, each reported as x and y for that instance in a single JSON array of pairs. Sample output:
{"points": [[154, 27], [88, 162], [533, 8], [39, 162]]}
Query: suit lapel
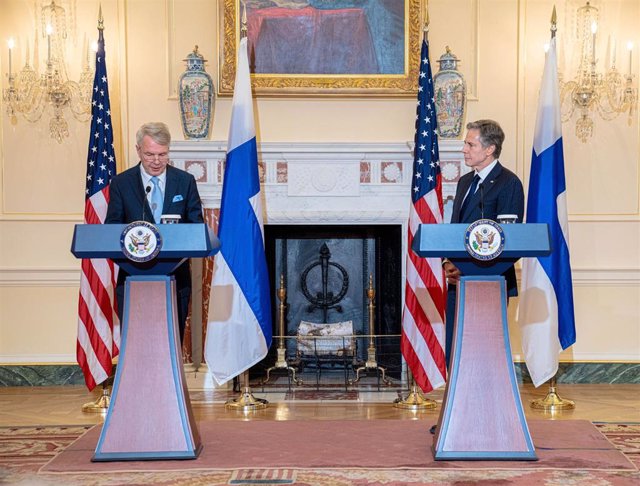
{"points": [[171, 186], [464, 183], [487, 186], [141, 195], [490, 181]]}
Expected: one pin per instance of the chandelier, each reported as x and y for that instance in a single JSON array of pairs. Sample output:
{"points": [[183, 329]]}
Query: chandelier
{"points": [[609, 93], [31, 94]]}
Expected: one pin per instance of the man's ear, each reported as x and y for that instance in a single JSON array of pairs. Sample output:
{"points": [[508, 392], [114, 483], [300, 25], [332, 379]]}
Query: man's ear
{"points": [[491, 149]]}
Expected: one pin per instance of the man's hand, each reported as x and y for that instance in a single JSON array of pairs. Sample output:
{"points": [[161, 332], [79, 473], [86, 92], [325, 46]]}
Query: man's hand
{"points": [[451, 272]]}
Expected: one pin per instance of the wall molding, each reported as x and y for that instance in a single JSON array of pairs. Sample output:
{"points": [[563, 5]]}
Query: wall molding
{"points": [[70, 276], [40, 277], [70, 374]]}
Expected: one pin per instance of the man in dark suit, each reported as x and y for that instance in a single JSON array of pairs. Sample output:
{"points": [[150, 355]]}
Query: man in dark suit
{"points": [[150, 189], [487, 191]]}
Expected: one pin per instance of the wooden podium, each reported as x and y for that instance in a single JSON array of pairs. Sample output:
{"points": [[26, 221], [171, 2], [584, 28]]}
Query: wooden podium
{"points": [[150, 415], [482, 416]]}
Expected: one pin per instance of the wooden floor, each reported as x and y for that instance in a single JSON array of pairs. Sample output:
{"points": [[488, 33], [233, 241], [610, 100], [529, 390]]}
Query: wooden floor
{"points": [[62, 406]]}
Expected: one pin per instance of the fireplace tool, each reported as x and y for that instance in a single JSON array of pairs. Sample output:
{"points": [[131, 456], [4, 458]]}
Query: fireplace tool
{"points": [[371, 363], [281, 361]]}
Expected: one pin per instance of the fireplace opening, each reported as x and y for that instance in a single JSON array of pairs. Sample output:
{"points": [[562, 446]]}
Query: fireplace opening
{"points": [[328, 272]]}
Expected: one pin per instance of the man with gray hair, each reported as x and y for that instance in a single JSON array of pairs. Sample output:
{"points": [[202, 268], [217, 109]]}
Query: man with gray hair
{"points": [[146, 192]]}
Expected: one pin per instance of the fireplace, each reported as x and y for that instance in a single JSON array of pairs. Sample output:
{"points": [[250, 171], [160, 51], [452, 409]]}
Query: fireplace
{"points": [[326, 271]]}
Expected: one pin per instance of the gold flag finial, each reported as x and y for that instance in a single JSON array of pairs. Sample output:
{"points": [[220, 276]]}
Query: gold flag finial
{"points": [[425, 29], [554, 22], [100, 18], [243, 21]]}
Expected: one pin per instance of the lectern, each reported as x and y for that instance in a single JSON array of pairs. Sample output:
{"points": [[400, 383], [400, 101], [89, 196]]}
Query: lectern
{"points": [[150, 415], [482, 416]]}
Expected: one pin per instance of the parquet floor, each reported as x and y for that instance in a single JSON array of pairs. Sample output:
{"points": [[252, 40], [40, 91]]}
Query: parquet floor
{"points": [[62, 405]]}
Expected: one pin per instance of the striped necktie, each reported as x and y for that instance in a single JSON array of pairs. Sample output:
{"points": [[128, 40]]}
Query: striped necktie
{"points": [[156, 199]]}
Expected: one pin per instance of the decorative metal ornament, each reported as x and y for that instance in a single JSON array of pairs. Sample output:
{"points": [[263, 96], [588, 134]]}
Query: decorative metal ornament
{"points": [[484, 240], [195, 88], [450, 92], [140, 241]]}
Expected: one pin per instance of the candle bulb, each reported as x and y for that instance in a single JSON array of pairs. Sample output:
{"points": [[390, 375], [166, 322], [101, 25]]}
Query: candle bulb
{"points": [[10, 43], [614, 53], [594, 29], [630, 47], [49, 31]]}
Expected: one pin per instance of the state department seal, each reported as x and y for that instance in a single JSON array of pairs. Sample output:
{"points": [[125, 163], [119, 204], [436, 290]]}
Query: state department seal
{"points": [[141, 241], [484, 239]]}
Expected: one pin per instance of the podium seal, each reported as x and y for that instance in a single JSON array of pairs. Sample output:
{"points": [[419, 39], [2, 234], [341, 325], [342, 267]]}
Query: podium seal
{"points": [[141, 241], [484, 239]]}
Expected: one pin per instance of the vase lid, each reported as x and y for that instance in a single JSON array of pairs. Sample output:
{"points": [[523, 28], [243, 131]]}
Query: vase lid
{"points": [[448, 61], [195, 60]]}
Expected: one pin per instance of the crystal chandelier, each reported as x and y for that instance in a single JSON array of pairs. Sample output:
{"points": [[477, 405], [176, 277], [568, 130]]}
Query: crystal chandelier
{"points": [[609, 93], [31, 93]]}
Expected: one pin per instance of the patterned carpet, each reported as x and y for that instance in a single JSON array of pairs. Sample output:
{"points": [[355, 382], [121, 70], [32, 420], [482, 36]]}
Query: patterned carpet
{"points": [[24, 450]]}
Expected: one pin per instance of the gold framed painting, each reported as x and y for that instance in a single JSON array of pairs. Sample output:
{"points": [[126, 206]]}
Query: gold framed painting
{"points": [[323, 47]]}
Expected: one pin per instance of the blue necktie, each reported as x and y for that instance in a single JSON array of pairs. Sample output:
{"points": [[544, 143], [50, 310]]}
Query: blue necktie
{"points": [[472, 191], [156, 200]]}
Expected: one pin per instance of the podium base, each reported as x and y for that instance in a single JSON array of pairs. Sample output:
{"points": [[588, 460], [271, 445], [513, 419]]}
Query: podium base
{"points": [[150, 416], [482, 416]]}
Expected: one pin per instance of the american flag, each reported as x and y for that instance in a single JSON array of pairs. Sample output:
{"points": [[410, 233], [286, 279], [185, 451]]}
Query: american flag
{"points": [[98, 325], [422, 341]]}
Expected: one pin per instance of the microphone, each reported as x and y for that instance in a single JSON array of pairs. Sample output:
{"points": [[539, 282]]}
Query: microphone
{"points": [[482, 200], [147, 190]]}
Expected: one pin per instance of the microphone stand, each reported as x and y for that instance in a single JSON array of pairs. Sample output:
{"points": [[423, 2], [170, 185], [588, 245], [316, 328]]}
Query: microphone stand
{"points": [[147, 190]]}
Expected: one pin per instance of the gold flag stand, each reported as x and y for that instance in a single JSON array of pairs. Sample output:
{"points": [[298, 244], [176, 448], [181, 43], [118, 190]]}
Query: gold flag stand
{"points": [[246, 402], [552, 402], [101, 405], [415, 400]]}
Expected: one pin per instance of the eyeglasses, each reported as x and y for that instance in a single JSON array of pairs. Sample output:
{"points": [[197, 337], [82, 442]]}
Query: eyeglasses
{"points": [[163, 157]]}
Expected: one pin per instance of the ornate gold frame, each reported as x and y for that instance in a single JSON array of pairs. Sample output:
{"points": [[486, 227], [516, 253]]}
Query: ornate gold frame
{"points": [[307, 84]]}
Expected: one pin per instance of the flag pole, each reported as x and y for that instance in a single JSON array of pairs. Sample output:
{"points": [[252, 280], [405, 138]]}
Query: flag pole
{"points": [[102, 403], [416, 400], [246, 402], [552, 402]]}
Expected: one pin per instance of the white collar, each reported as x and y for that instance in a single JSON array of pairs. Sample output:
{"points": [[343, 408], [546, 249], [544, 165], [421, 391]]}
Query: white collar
{"points": [[483, 173], [146, 178]]}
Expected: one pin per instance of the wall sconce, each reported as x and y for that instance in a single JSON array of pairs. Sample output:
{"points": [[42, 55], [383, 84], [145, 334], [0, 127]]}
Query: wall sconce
{"points": [[31, 93], [609, 93]]}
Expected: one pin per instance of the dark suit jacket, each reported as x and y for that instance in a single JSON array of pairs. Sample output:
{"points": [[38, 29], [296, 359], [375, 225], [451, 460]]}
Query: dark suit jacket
{"points": [[127, 198], [501, 193]]}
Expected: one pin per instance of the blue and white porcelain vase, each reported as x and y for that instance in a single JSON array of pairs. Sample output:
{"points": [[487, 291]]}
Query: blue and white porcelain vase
{"points": [[195, 88], [450, 92]]}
